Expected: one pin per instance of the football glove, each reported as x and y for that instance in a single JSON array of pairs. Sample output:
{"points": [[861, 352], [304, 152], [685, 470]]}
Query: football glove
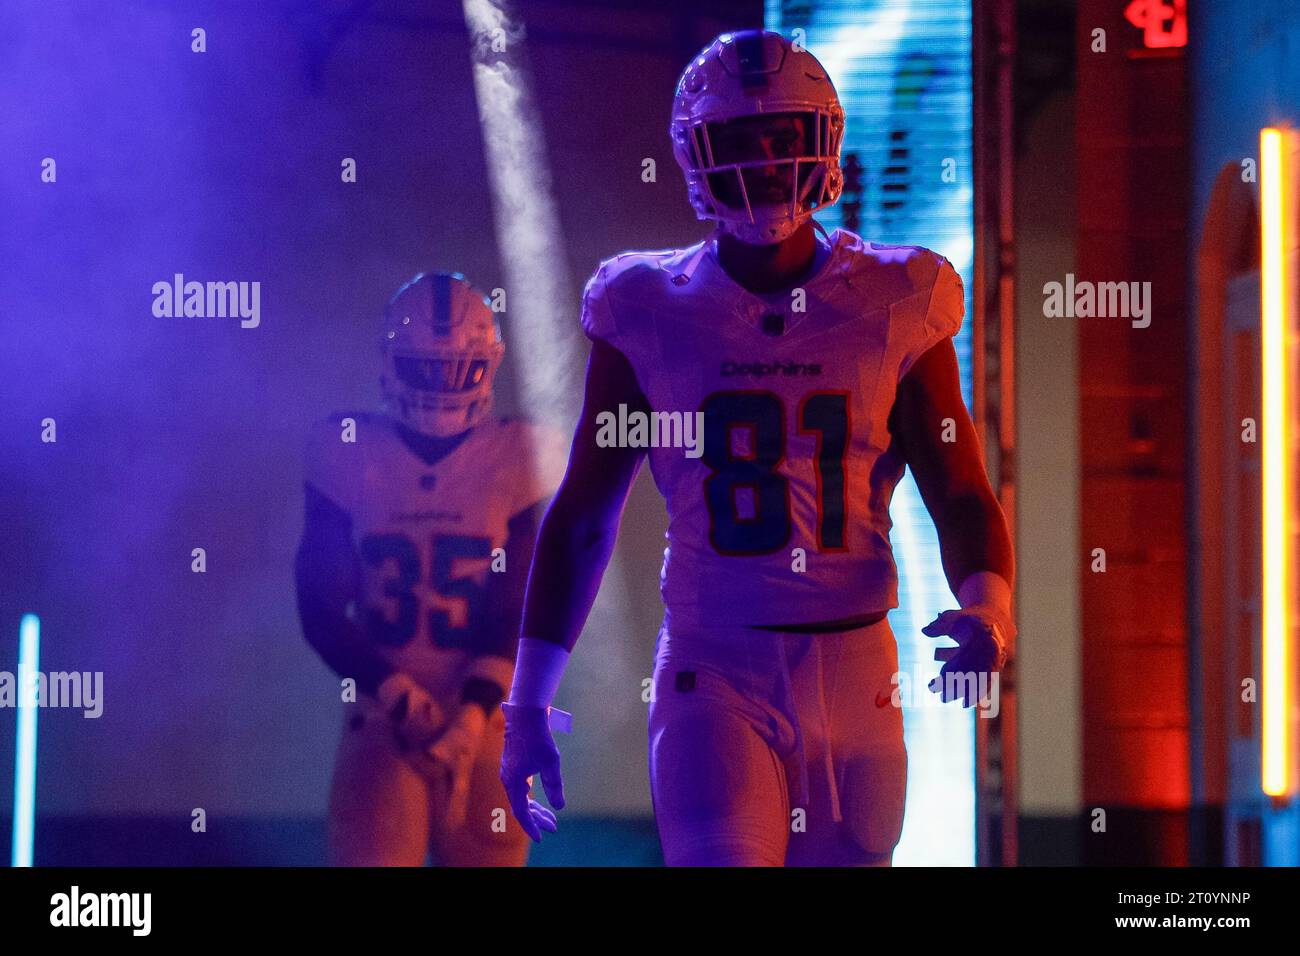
{"points": [[981, 633], [416, 717], [529, 749]]}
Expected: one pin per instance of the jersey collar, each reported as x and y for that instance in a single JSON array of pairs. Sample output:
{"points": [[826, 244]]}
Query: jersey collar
{"points": [[751, 307]]}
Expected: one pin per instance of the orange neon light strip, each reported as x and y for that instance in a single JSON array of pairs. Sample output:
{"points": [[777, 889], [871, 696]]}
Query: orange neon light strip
{"points": [[1278, 506]]}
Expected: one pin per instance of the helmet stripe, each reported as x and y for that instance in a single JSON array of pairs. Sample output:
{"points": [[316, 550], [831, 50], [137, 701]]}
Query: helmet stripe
{"points": [[750, 53], [442, 304]]}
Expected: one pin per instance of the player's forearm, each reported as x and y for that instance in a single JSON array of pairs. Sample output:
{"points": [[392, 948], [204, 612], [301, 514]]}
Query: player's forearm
{"points": [[973, 538], [504, 596], [489, 673], [573, 550], [334, 635], [339, 643]]}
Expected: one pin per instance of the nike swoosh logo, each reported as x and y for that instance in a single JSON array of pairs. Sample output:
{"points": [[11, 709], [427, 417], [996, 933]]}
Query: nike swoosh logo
{"points": [[883, 703]]}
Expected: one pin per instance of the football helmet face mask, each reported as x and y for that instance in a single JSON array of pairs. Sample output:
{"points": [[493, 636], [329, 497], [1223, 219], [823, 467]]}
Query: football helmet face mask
{"points": [[757, 128], [442, 348]]}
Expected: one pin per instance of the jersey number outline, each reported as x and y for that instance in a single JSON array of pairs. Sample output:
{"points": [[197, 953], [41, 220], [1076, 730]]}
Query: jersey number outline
{"points": [[824, 413], [378, 549]]}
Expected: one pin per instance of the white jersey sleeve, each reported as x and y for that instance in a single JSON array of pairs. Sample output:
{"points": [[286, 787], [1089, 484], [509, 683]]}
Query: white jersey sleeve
{"points": [[943, 315], [597, 316]]}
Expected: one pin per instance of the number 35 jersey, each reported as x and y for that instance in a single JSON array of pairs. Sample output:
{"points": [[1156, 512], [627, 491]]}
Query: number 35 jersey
{"points": [[783, 518], [425, 533]]}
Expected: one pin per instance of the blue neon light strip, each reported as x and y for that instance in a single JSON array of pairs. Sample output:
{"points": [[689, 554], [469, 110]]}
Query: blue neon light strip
{"points": [[29, 665]]}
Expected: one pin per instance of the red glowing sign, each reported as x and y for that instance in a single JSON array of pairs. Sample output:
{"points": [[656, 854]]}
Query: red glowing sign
{"points": [[1163, 22]]}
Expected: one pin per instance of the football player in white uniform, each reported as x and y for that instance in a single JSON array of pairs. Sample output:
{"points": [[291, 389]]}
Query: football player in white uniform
{"points": [[419, 530], [822, 368]]}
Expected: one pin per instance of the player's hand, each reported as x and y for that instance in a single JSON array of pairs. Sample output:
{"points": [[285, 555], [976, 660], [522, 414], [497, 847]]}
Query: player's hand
{"points": [[530, 749], [981, 634], [417, 719], [453, 755]]}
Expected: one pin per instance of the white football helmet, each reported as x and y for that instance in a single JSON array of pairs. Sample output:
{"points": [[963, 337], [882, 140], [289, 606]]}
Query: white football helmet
{"points": [[442, 347], [737, 77]]}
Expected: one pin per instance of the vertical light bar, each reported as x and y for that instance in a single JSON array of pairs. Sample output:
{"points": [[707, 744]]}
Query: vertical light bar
{"points": [[1275, 292], [542, 325], [542, 329], [29, 665]]}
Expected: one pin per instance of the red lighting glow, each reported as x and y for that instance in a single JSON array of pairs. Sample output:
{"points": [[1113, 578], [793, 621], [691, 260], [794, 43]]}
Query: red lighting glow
{"points": [[1163, 22]]}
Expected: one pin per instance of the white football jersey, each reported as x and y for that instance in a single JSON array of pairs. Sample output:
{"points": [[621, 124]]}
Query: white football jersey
{"points": [[426, 533], [784, 518]]}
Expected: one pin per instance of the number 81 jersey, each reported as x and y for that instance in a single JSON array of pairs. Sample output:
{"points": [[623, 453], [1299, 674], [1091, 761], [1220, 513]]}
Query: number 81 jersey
{"points": [[782, 516]]}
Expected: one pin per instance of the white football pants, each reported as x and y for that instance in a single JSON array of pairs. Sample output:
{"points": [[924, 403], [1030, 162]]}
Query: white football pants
{"points": [[383, 813], [771, 749]]}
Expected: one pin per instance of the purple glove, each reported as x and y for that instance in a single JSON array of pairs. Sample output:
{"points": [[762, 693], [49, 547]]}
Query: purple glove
{"points": [[981, 635], [530, 749]]}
